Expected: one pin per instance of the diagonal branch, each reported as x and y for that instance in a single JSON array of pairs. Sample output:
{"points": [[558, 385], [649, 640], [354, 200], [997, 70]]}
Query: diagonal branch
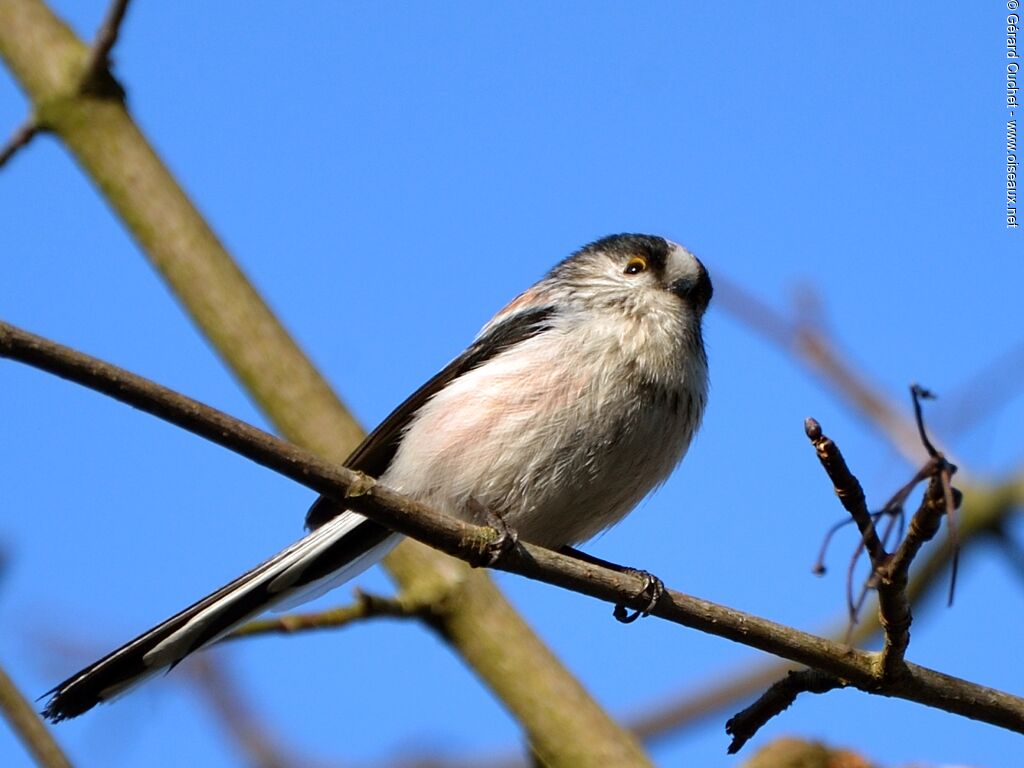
{"points": [[24, 721], [253, 738], [470, 542], [20, 138], [811, 346]]}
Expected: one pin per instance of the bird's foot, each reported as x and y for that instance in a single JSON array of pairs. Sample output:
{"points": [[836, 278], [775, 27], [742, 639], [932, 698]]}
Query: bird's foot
{"points": [[506, 539], [652, 589]]}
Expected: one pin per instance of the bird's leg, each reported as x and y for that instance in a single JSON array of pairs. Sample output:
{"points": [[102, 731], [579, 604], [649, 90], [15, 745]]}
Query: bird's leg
{"points": [[507, 536], [652, 589]]}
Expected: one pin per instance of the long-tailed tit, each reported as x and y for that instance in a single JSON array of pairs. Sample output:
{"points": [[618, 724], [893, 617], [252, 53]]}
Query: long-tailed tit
{"points": [[571, 404]]}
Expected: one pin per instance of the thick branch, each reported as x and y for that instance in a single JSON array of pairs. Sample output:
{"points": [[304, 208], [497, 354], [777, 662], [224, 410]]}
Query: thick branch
{"points": [[469, 542]]}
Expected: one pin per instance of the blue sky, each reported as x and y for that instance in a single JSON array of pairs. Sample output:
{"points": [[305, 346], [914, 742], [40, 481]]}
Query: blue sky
{"points": [[391, 174]]}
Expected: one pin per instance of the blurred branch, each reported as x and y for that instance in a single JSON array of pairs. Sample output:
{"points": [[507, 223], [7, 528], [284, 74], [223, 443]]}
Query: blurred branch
{"points": [[797, 753], [563, 723], [667, 719], [471, 542], [985, 392], [98, 63], [817, 351], [1011, 549], [49, 61], [251, 736], [95, 78], [366, 606], [28, 726], [20, 138]]}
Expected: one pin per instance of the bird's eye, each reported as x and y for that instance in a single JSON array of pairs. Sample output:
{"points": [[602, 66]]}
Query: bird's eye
{"points": [[635, 265]]}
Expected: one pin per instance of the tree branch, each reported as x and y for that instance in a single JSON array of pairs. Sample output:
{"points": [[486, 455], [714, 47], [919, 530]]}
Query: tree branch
{"points": [[366, 606], [28, 726], [252, 737], [811, 346], [848, 489], [774, 701], [469, 542], [98, 63], [20, 138], [891, 573], [984, 511], [797, 753]]}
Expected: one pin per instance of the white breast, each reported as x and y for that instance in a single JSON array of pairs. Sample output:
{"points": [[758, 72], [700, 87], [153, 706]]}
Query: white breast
{"points": [[551, 436]]}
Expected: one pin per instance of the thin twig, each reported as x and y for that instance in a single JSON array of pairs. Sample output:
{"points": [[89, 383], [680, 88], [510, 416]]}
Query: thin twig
{"points": [[24, 721], [848, 489], [951, 497], [20, 138], [98, 64], [893, 601], [917, 394], [366, 606], [743, 725], [891, 574], [944, 472], [470, 542]]}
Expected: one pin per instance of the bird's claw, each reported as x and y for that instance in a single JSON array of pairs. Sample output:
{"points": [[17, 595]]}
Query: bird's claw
{"points": [[652, 589], [506, 539]]}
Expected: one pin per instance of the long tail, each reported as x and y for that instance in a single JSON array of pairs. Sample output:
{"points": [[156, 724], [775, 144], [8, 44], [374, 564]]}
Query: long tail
{"points": [[329, 556]]}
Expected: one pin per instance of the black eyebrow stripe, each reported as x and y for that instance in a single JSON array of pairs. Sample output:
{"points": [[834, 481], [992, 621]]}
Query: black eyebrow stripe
{"points": [[375, 452]]}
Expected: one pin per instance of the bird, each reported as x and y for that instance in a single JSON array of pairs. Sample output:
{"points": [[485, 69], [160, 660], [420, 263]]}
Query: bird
{"points": [[571, 404]]}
